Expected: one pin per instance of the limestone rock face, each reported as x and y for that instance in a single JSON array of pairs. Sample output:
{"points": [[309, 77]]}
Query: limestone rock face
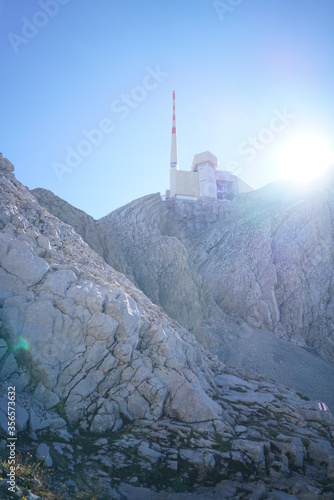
{"points": [[156, 262], [88, 228], [22, 262], [91, 340], [154, 243], [43, 454], [85, 351], [224, 269], [264, 258], [273, 265], [5, 164]]}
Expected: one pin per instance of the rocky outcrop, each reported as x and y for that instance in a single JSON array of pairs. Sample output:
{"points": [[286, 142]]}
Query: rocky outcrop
{"points": [[89, 229], [156, 263], [162, 266], [89, 353], [219, 269], [94, 342], [264, 258], [270, 443], [5, 164], [277, 270]]}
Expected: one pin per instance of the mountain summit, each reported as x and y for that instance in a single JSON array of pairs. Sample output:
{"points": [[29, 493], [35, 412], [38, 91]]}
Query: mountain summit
{"points": [[101, 340]]}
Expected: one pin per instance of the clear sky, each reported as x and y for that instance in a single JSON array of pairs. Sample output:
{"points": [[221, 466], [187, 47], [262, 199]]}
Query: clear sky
{"points": [[249, 75]]}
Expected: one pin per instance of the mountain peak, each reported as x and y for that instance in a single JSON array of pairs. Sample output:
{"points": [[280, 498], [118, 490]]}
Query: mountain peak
{"points": [[103, 346], [5, 164]]}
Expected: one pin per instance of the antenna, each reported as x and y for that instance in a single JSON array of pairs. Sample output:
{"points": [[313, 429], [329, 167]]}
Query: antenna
{"points": [[173, 152]]}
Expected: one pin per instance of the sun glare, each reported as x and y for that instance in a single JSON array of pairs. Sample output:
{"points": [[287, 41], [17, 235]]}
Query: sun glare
{"points": [[304, 158]]}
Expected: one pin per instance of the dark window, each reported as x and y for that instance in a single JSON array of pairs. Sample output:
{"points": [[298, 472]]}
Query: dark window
{"points": [[224, 190]]}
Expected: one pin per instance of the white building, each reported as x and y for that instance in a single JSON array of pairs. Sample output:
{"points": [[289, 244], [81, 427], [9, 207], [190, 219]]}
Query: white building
{"points": [[204, 178]]}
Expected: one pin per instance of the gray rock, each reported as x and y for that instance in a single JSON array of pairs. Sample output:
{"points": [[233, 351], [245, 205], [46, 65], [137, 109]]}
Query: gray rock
{"points": [[86, 226], [43, 455], [71, 484], [190, 403], [35, 422], [100, 346], [330, 467], [250, 397], [43, 242], [24, 263], [59, 281], [32, 496], [226, 489], [226, 381], [5, 164], [9, 284], [49, 398], [279, 495], [195, 245], [137, 405], [240, 429], [177, 228], [147, 452], [254, 450], [321, 451], [58, 448], [310, 411], [3, 348], [106, 418], [260, 493], [295, 450], [9, 367], [21, 417], [4, 421]]}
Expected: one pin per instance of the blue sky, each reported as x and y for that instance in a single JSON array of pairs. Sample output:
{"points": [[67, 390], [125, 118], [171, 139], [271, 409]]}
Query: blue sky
{"points": [[243, 70]]}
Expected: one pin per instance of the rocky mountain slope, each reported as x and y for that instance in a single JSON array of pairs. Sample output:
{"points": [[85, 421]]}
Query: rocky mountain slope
{"points": [[234, 274], [121, 398], [89, 229], [264, 259]]}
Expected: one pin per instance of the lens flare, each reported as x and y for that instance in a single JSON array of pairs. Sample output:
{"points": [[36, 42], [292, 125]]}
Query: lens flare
{"points": [[22, 343], [304, 158]]}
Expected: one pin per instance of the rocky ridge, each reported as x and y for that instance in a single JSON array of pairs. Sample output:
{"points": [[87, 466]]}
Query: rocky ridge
{"points": [[89, 229], [167, 247], [90, 354], [263, 260]]}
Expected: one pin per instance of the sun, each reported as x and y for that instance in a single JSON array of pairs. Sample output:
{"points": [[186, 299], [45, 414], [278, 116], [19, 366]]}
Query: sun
{"points": [[304, 158]]}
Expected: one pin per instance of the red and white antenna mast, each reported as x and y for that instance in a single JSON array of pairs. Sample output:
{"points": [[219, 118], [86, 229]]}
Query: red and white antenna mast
{"points": [[173, 152]]}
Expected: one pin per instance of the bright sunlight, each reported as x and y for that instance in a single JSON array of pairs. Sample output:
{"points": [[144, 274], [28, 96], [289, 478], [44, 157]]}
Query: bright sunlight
{"points": [[304, 158]]}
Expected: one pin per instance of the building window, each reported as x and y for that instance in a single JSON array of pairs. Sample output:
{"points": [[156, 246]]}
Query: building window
{"points": [[224, 190]]}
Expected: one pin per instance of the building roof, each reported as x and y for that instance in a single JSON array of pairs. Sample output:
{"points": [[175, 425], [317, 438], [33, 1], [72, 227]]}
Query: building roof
{"points": [[205, 157]]}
